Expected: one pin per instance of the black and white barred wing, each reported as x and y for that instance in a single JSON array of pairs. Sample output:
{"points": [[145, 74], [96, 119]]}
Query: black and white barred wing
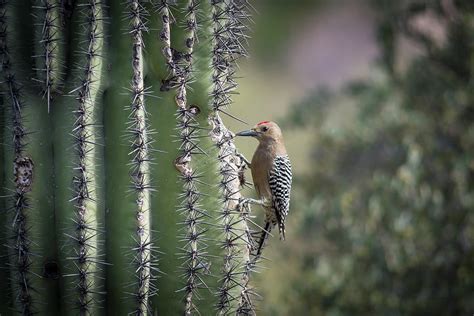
{"points": [[280, 186]]}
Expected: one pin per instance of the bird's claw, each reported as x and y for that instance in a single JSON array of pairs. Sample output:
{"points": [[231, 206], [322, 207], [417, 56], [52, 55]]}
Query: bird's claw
{"points": [[242, 157], [244, 202]]}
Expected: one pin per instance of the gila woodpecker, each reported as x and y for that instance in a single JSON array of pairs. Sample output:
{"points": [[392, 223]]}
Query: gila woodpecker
{"points": [[271, 174]]}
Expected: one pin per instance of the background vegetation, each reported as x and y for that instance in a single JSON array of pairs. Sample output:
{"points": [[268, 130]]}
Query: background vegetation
{"points": [[381, 220]]}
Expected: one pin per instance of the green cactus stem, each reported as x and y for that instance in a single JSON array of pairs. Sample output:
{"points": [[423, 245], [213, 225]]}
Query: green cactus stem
{"points": [[122, 181]]}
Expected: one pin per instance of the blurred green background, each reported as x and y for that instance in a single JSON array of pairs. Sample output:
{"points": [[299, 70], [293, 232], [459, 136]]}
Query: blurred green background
{"points": [[376, 99]]}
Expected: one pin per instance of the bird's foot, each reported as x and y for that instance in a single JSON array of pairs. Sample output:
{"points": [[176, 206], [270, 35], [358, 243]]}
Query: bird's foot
{"points": [[245, 202], [242, 157]]}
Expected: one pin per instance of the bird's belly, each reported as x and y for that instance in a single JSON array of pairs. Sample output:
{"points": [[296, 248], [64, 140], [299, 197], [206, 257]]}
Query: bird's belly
{"points": [[260, 181]]}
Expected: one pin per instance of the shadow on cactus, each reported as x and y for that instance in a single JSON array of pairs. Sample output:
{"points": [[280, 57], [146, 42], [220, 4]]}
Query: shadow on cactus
{"points": [[124, 196]]}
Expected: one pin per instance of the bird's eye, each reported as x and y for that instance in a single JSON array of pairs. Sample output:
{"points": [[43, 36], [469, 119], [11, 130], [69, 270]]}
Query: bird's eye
{"points": [[264, 129]]}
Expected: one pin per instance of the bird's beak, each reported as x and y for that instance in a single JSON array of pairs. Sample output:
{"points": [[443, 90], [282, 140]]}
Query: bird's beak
{"points": [[251, 133]]}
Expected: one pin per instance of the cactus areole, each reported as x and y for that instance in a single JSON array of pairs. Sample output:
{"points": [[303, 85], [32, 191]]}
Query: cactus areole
{"points": [[121, 183]]}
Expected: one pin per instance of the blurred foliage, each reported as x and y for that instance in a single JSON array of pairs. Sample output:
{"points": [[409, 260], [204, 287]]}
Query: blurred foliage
{"points": [[276, 21], [385, 220]]}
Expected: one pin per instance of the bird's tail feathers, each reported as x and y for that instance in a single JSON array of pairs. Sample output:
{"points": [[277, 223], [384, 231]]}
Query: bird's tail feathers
{"points": [[263, 237], [281, 228]]}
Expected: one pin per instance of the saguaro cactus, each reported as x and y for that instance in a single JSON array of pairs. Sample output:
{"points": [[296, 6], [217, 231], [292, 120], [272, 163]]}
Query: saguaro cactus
{"points": [[121, 182]]}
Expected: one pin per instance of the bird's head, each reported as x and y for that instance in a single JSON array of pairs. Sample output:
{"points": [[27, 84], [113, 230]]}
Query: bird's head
{"points": [[263, 131]]}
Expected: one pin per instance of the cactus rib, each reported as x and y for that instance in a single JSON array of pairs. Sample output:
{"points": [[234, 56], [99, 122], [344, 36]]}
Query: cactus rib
{"points": [[227, 283], [138, 128], [194, 258], [227, 31], [85, 257]]}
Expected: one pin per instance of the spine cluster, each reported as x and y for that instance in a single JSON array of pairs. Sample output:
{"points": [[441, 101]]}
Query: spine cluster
{"points": [[20, 247], [85, 240], [228, 34], [47, 56], [140, 143]]}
